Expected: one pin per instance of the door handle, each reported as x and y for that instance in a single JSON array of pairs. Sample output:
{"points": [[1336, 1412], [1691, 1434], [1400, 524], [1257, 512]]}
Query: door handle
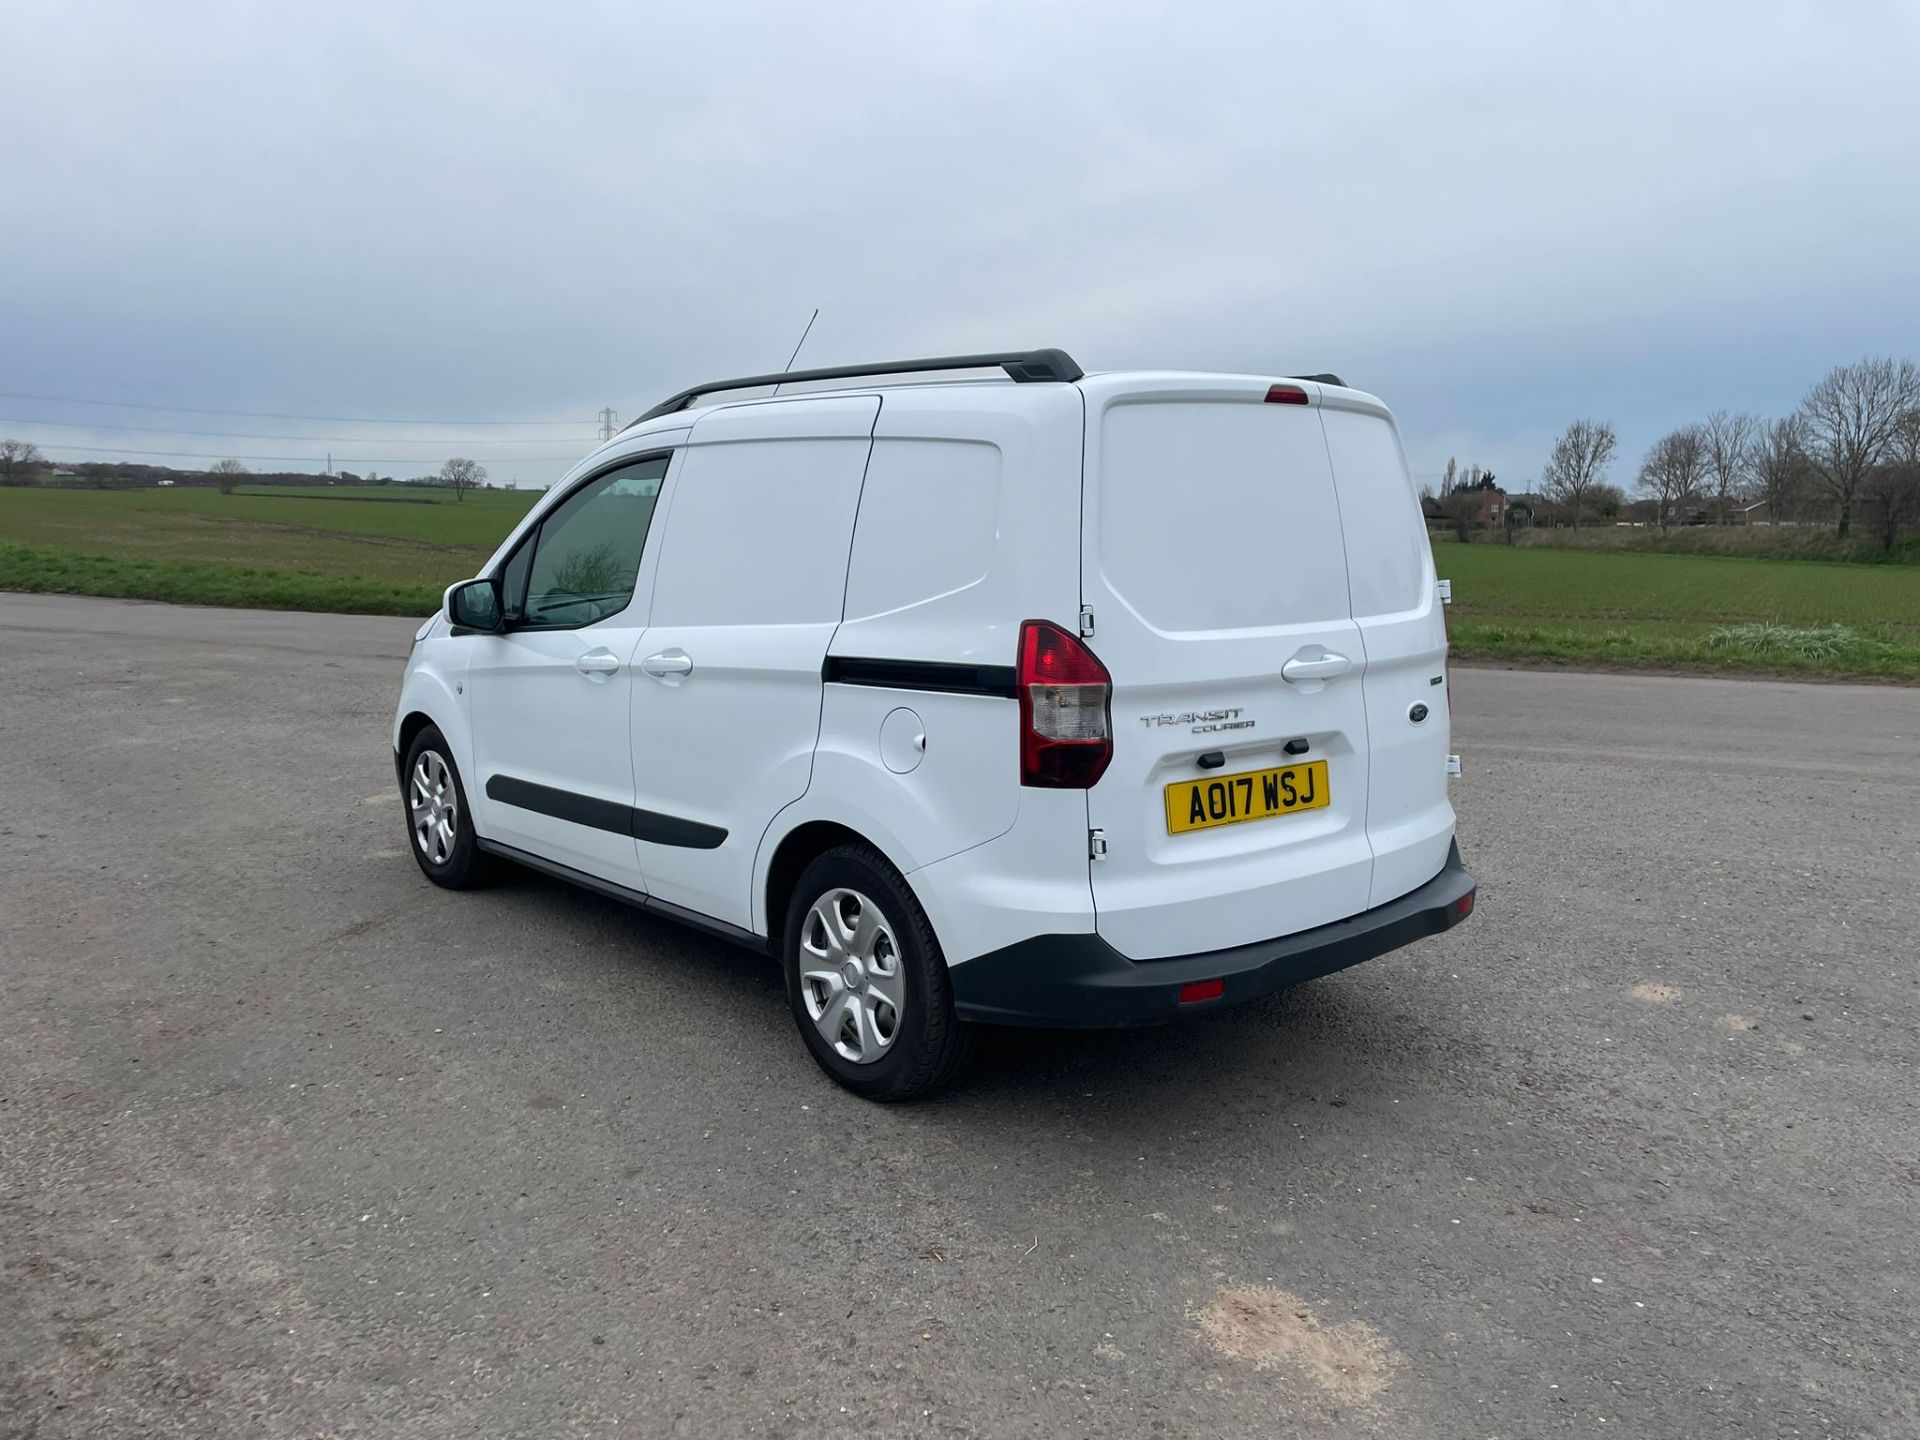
{"points": [[668, 663], [1324, 666], [597, 664]]}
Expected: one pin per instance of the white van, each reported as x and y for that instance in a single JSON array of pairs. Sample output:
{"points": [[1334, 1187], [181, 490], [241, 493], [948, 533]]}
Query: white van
{"points": [[1039, 699]]}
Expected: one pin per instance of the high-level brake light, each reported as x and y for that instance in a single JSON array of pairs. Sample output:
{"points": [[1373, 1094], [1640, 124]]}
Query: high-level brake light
{"points": [[1286, 395], [1066, 730]]}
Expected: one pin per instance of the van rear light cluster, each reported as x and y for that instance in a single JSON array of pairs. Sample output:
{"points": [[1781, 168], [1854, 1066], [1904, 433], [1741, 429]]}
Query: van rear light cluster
{"points": [[1066, 724]]}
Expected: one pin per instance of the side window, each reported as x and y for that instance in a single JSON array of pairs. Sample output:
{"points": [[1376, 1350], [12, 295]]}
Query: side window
{"points": [[582, 561]]}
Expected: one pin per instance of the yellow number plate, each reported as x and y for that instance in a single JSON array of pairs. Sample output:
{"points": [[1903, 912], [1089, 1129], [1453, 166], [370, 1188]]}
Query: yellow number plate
{"points": [[1252, 795]]}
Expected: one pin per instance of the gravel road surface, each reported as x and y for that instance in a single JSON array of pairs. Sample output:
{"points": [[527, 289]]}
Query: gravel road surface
{"points": [[293, 1144]]}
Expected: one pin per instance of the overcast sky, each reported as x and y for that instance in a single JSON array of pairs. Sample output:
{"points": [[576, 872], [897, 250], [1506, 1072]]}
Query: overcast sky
{"points": [[1497, 218]]}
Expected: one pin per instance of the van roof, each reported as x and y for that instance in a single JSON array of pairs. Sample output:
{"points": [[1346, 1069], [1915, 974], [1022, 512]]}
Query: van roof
{"points": [[1020, 367]]}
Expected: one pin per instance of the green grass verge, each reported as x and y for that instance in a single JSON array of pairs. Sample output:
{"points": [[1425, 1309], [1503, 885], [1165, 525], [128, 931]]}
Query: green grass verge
{"points": [[1608, 607], [1838, 652], [192, 582]]}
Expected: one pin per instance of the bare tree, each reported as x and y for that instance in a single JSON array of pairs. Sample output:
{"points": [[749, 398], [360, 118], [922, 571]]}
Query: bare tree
{"points": [[1461, 508], [229, 473], [463, 475], [1578, 463], [1726, 445], [1890, 492], [19, 459], [1674, 470], [1890, 502], [1607, 501], [1848, 422], [1780, 470]]}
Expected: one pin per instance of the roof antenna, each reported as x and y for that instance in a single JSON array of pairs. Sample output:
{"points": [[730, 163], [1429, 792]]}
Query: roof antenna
{"points": [[796, 347]]}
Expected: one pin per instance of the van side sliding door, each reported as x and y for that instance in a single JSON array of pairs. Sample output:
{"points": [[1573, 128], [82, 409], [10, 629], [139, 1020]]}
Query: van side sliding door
{"points": [[752, 578]]}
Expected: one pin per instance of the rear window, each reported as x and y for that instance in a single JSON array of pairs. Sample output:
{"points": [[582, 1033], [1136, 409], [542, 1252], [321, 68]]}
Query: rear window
{"points": [[1387, 553], [1219, 516]]}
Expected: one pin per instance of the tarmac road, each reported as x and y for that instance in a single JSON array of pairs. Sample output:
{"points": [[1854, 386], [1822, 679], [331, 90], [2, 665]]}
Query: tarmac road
{"points": [[293, 1144]]}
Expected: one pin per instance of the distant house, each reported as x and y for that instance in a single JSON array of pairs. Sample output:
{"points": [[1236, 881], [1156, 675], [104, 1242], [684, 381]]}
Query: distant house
{"points": [[1490, 508], [1486, 509], [1733, 512]]}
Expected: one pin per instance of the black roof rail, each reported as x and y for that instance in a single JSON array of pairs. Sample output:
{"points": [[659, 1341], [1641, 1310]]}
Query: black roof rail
{"points": [[1321, 379], [1022, 366]]}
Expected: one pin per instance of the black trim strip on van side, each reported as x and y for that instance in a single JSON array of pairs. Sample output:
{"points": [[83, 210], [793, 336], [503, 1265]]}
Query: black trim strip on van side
{"points": [[648, 825], [937, 675], [651, 904]]}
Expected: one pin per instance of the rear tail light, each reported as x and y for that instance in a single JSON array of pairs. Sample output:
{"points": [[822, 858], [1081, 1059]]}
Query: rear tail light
{"points": [[1066, 728]]}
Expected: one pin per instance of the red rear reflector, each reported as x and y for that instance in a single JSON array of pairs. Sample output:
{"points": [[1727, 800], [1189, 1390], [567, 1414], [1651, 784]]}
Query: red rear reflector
{"points": [[1202, 990], [1286, 395], [1463, 907], [1066, 729]]}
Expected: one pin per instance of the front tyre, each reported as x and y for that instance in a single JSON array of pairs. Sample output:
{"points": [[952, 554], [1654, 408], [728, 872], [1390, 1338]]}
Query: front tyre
{"points": [[867, 982], [439, 825]]}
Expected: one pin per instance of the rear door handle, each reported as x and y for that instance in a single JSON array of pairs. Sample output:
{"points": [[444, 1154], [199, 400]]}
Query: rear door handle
{"points": [[597, 664], [668, 663], [1324, 666]]}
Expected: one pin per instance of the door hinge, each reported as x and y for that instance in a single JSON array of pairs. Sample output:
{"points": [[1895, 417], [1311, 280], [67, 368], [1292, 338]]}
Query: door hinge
{"points": [[1453, 764], [1086, 621], [1096, 844], [1445, 590]]}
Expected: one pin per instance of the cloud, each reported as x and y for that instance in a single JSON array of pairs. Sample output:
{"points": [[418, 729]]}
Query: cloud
{"points": [[1497, 218]]}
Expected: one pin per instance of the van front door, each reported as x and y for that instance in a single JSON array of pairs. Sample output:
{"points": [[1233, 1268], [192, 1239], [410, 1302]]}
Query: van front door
{"points": [[549, 697], [751, 584]]}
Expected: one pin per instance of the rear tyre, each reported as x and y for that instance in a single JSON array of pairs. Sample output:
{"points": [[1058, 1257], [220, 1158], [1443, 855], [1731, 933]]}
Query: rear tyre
{"points": [[867, 981], [439, 825]]}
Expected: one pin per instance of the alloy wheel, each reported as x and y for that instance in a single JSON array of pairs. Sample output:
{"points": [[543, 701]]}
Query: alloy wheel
{"points": [[433, 803], [850, 975]]}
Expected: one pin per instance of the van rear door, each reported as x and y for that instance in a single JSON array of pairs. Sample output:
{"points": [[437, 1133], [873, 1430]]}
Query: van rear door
{"points": [[1213, 563], [1396, 605]]}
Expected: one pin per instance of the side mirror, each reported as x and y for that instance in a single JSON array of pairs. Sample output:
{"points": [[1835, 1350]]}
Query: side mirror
{"points": [[475, 605]]}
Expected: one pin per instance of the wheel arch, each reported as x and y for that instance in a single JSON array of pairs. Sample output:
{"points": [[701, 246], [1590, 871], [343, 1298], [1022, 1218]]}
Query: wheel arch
{"points": [[428, 697], [411, 724], [798, 849]]}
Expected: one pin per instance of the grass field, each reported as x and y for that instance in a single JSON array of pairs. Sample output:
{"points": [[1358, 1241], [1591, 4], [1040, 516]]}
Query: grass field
{"points": [[1717, 612], [386, 550], [317, 548]]}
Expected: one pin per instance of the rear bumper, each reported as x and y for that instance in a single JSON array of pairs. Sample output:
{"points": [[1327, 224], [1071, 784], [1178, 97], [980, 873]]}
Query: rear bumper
{"points": [[1081, 982]]}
